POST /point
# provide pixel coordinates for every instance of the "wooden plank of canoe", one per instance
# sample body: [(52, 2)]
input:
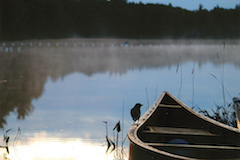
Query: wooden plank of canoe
[(193, 146), (181, 131), (170, 106)]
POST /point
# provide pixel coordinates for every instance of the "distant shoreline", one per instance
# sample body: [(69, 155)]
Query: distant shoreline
[(116, 42), (40, 19)]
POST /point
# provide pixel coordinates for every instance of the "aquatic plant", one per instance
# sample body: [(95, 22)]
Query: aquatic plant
[(226, 113), (118, 151), (223, 114)]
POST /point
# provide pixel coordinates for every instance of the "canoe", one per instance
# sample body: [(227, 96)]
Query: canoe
[(171, 130)]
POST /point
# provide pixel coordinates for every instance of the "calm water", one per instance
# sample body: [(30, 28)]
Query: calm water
[(59, 93)]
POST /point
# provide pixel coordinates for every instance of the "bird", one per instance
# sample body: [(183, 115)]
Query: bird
[(136, 112)]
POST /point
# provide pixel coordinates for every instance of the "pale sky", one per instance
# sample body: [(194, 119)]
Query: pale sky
[(193, 4)]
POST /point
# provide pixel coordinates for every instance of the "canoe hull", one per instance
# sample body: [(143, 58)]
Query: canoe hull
[(171, 130), (139, 153)]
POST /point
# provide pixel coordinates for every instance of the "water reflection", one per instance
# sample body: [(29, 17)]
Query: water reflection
[(44, 146), (60, 94)]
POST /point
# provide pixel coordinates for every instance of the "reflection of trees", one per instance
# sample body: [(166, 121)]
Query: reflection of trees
[(20, 84), (23, 75)]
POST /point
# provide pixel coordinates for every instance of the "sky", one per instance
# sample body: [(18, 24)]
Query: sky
[(193, 4)]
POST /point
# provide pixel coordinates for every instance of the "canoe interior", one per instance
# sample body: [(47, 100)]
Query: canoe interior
[(176, 129)]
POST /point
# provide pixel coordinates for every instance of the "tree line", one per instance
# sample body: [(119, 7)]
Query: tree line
[(35, 19)]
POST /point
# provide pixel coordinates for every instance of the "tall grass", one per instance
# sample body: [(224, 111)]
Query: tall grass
[(193, 76), (226, 113), (179, 66)]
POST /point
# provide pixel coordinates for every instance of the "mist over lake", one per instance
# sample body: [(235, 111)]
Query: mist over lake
[(59, 92)]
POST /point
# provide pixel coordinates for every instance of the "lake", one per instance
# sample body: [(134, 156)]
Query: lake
[(60, 98)]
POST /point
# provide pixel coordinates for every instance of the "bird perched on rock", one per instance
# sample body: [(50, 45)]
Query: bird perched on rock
[(136, 112)]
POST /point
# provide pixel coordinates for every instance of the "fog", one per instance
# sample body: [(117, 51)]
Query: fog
[(58, 90)]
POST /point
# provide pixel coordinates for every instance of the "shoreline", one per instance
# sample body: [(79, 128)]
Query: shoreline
[(125, 42)]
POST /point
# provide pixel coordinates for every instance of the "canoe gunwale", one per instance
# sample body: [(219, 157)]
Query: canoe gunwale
[(182, 131)]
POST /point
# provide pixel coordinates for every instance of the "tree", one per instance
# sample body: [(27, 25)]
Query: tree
[(119, 1), (200, 7), (237, 7)]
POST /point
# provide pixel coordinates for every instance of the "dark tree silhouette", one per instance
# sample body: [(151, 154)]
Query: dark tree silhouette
[(28, 19)]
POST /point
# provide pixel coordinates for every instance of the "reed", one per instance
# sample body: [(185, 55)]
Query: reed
[(180, 66), (147, 97), (193, 76), (16, 141), (226, 113), (116, 149), (156, 93), (122, 122), (223, 86)]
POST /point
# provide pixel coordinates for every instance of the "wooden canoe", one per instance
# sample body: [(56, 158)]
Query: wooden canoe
[(171, 130)]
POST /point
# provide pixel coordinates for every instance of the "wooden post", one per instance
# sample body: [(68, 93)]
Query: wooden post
[(237, 110)]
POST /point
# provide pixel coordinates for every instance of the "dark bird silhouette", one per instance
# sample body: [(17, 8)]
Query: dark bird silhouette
[(135, 111)]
